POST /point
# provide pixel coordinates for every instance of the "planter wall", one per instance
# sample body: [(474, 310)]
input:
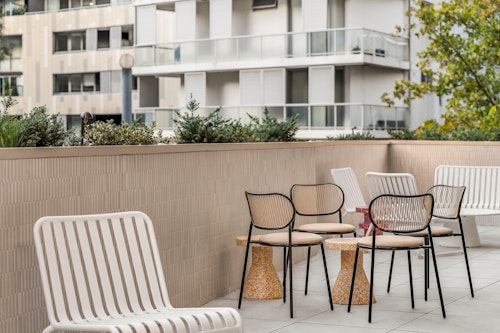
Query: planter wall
[(193, 193)]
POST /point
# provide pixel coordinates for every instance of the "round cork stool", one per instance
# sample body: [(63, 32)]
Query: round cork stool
[(342, 286), (262, 281)]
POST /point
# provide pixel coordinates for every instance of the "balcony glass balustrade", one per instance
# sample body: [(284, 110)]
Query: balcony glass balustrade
[(333, 42), (339, 116)]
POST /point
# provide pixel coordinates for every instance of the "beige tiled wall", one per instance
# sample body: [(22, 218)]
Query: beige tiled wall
[(193, 193)]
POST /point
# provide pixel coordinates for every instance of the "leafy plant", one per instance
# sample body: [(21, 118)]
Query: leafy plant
[(353, 136), (102, 133), (10, 130), (39, 129), (194, 128), (402, 134), (272, 130), (461, 61)]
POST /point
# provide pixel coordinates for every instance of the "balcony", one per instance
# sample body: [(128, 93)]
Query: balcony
[(320, 118), (338, 46)]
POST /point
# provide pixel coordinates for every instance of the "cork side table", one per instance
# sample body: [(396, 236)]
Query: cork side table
[(342, 286), (262, 281)]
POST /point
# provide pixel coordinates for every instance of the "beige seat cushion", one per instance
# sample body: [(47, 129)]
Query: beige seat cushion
[(298, 238), (437, 231), (392, 241), (333, 228)]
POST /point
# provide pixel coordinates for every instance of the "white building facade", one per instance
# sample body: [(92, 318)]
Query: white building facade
[(65, 55), (327, 61)]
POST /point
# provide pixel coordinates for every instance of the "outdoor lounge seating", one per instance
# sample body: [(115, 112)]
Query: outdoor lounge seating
[(102, 273)]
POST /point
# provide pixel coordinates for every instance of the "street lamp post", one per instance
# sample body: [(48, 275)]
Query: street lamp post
[(85, 116), (126, 63)]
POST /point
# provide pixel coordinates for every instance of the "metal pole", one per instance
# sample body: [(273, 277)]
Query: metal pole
[(127, 95)]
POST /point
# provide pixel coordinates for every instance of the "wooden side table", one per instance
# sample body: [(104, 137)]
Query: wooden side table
[(262, 281), (342, 286)]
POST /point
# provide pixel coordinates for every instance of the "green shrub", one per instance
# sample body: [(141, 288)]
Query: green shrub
[(272, 130), (102, 133), (352, 136), (403, 134), (39, 129), (194, 128), (10, 130)]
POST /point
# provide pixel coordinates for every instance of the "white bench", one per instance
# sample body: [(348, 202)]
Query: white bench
[(482, 193)]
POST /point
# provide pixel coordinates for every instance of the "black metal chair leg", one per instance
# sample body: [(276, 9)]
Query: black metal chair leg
[(390, 272), (372, 270), (437, 276), (291, 279), (426, 268), (353, 280), (244, 273), (411, 281), (327, 277), (464, 247), (285, 268), (307, 268)]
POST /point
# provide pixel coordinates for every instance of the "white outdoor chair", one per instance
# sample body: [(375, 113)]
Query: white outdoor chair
[(103, 273), (353, 196)]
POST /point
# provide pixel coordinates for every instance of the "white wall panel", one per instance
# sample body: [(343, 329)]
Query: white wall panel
[(145, 27), (195, 86), (315, 15), (273, 86), (321, 85), (251, 87), (220, 18), (186, 20)]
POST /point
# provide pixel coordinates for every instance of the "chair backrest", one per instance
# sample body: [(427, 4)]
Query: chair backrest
[(390, 183), (447, 200), (401, 213), (270, 211), (482, 184), (93, 266), (317, 199), (346, 179)]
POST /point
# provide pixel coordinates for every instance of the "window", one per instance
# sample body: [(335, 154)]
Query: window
[(69, 41), (127, 35), (75, 83), (12, 60), (260, 4), (103, 39), (107, 82), (66, 4), (9, 86)]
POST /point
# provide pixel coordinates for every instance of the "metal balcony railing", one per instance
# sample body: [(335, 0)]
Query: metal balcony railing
[(345, 41), (338, 116)]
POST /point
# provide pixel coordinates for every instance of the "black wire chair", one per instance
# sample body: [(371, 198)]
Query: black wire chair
[(276, 212), (399, 215), (317, 201)]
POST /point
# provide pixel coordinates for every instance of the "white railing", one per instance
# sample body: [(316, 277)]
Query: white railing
[(339, 116), (289, 45)]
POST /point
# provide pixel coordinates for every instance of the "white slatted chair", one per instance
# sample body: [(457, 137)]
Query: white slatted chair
[(102, 273), (354, 200), (379, 183)]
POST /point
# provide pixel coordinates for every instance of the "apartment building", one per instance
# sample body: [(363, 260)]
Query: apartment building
[(327, 61), (65, 55)]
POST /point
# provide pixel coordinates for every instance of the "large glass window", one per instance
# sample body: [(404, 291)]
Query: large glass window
[(103, 39), (9, 86), (258, 4), (12, 60), (75, 83), (69, 41), (66, 4)]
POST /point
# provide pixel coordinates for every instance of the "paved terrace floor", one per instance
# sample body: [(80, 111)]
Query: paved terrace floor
[(392, 312)]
